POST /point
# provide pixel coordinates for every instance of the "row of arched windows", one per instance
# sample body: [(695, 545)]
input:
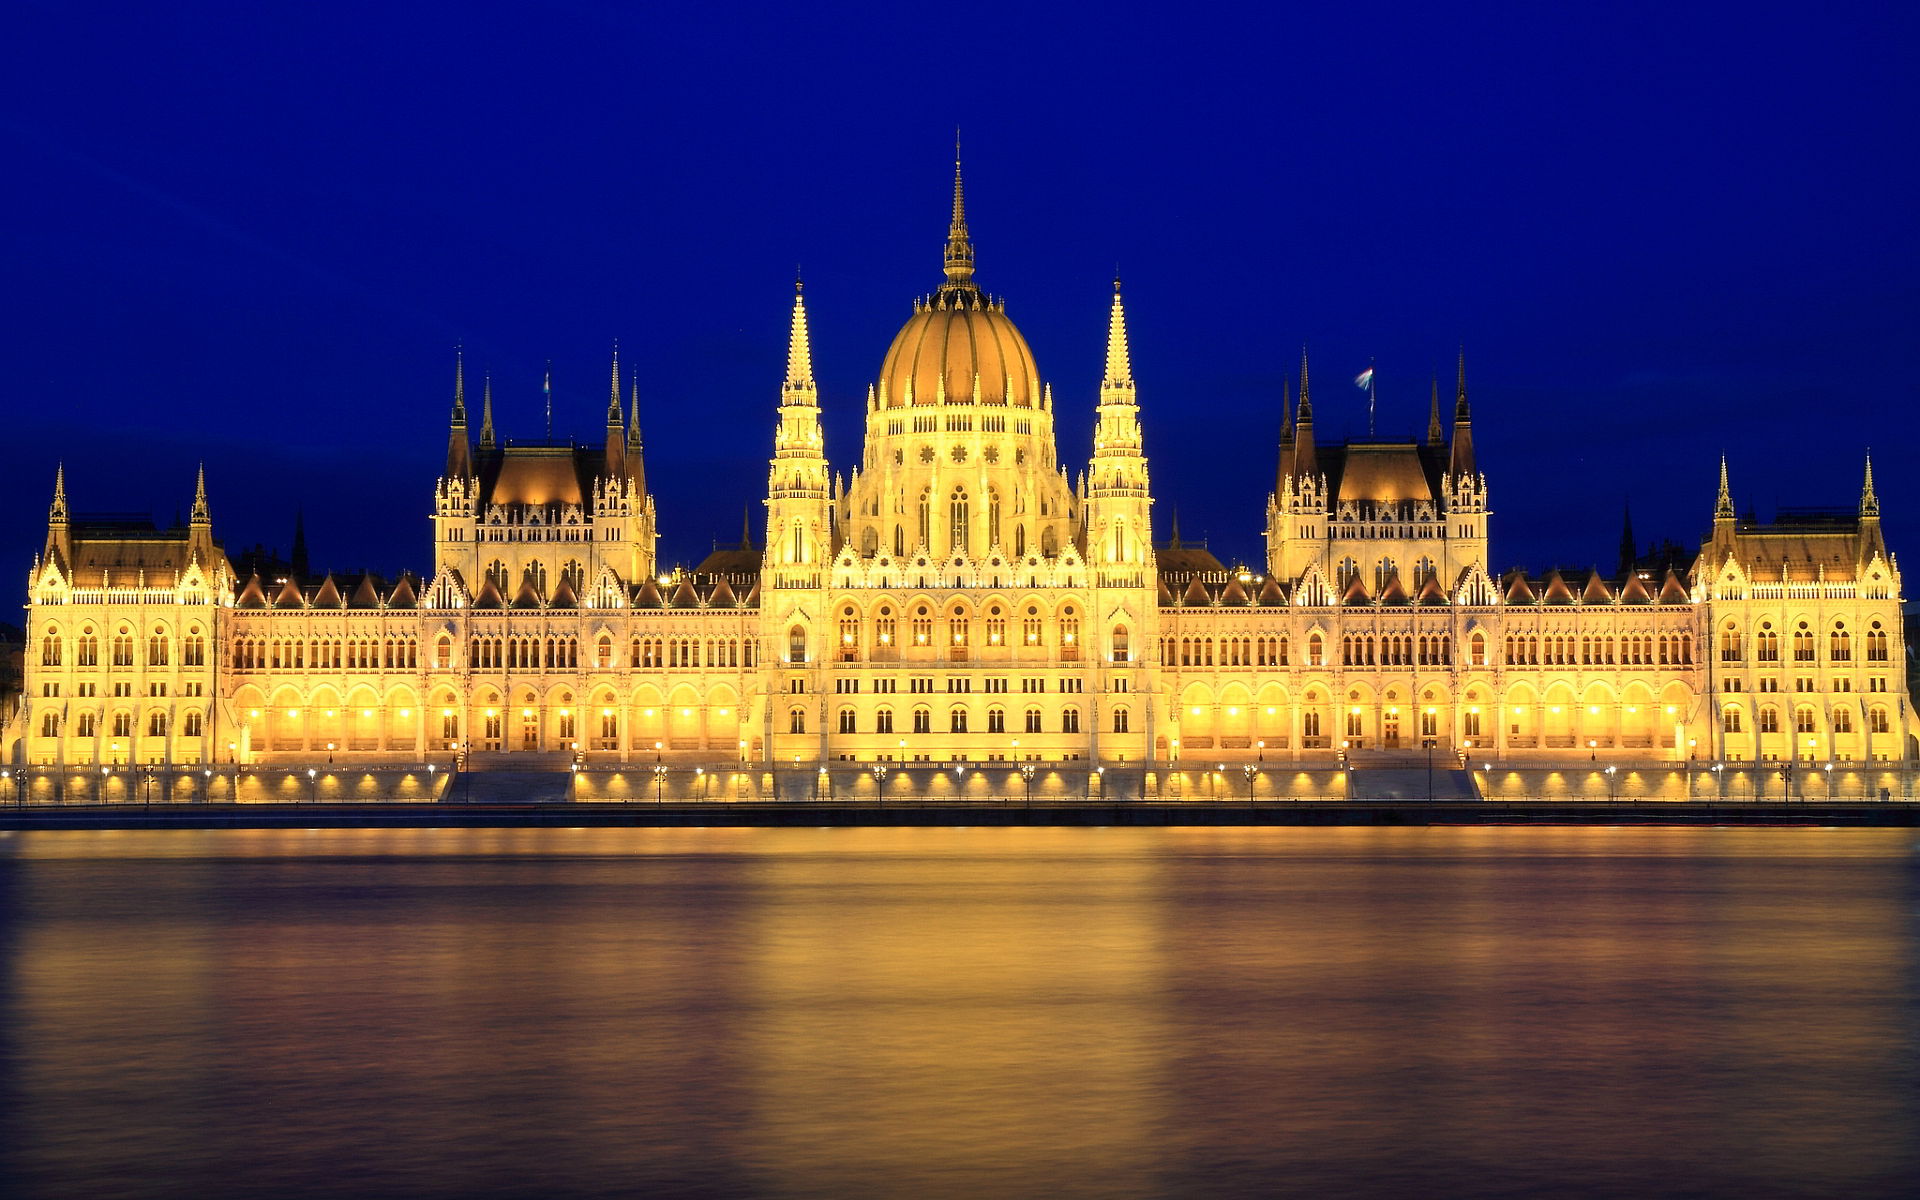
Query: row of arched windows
[(957, 720), (1806, 719), (251, 653), (1634, 650), (1805, 646), (193, 647), (88, 724)]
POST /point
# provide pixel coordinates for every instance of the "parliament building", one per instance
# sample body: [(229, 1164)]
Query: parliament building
[(963, 595)]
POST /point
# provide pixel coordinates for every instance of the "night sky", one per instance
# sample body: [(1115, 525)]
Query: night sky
[(253, 236)]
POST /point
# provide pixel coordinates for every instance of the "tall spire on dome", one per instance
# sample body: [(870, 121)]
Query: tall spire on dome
[(799, 350), (614, 415), (616, 449), (1462, 464), (1723, 504), (486, 416), (1306, 457), (459, 448), (959, 264), (1119, 369)]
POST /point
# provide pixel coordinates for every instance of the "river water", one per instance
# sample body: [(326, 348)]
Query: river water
[(961, 1012)]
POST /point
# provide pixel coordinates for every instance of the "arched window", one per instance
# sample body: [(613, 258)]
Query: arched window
[(957, 511), (1877, 720), (50, 723), (996, 720), (1843, 720), (1840, 644), (1033, 720), (191, 727), (1049, 542), (797, 721), (869, 542), (899, 541), (50, 648), (926, 517), (83, 725), (923, 720), (1121, 648), (993, 517), (957, 720), (1479, 650), (87, 652), (1120, 720), (1802, 643), (497, 574), (1803, 719), (846, 721), (797, 644), (886, 634), (1769, 720), (1876, 643), (1730, 643), (1315, 656), (1019, 541), (1345, 573), (1070, 720), (883, 721), (603, 652), (1730, 720), (157, 723), (157, 647)]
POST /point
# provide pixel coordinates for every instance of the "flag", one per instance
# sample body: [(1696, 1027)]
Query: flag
[(1364, 379)]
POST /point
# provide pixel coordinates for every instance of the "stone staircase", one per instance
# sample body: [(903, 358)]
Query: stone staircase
[(510, 787)]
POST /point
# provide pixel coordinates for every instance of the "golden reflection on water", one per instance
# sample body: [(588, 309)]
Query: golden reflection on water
[(959, 1012)]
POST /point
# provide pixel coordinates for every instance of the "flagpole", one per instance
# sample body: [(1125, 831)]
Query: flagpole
[(1370, 385)]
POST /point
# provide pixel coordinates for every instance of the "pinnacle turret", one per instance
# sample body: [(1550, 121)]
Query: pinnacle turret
[(200, 515), (616, 450), (459, 448), (1436, 433), (1119, 369), (799, 350), (486, 417), (1723, 504), (959, 262), (1869, 503)]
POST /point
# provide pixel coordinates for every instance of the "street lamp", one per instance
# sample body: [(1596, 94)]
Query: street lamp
[(659, 782), (1610, 770), (313, 786), (1249, 770), (1026, 776), (1829, 783), (880, 783)]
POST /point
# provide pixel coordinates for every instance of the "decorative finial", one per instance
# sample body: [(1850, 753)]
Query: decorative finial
[(60, 490), (486, 414), (200, 494), (1723, 505), (1869, 503), (959, 264)]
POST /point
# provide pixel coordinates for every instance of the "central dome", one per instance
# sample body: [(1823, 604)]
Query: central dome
[(959, 346), (959, 349)]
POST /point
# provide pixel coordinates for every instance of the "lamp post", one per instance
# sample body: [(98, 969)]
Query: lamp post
[(1829, 783), (1428, 743), (1250, 772), (880, 784), (313, 786), (1026, 777), (1719, 781), (573, 782), (659, 783), (1610, 770)]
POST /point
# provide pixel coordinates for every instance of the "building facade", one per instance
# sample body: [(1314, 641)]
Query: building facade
[(958, 597)]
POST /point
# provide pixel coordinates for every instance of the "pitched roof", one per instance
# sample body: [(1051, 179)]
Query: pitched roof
[(684, 596), (403, 595), (1196, 594), (526, 597), (1519, 591), (649, 595), (329, 594), (563, 596), (1235, 594), (721, 596), (1393, 593), (289, 595), (1596, 591), (489, 594), (1356, 592), (363, 595), (253, 595), (1270, 593)]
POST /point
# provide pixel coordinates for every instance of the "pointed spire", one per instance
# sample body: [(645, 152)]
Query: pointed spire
[(614, 417), (1460, 395), (459, 449), (459, 387), (616, 447), (200, 512), (799, 350), (1173, 535), (1723, 505), (1306, 457), (1436, 433), (1462, 465), (1285, 467), (1869, 503), (1306, 404), (486, 416), (959, 264), (633, 425), (59, 509), (746, 527), (1119, 370)]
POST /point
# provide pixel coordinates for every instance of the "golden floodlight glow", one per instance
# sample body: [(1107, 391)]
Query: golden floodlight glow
[(406, 712), (1593, 708), (490, 712), (254, 713), (366, 712), (526, 712), (293, 712), (1196, 712), (1669, 710), (1270, 711), (723, 712), (446, 712), (686, 712), (646, 712)]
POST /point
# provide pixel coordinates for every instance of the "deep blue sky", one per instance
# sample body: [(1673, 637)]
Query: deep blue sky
[(252, 236)]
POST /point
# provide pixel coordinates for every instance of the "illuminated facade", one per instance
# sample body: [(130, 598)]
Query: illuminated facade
[(960, 598)]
